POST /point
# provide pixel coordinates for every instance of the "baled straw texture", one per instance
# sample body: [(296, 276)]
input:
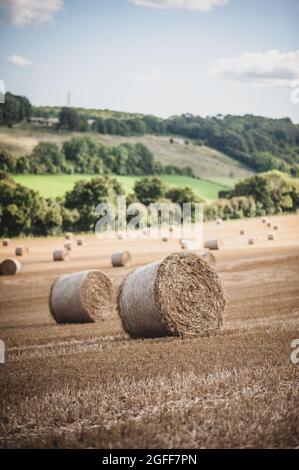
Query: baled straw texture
[(276, 227), (269, 224), (81, 297), (10, 267), (180, 296), (186, 244), (69, 235), (251, 240), (60, 255), (21, 250), (122, 258), (80, 241), (218, 221), (6, 242), (271, 236), (165, 238), (213, 244), (242, 231)]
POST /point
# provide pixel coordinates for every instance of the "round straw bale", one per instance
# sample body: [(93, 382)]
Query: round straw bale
[(271, 236), (171, 228), (80, 241), (179, 296), (68, 246), (242, 231), (10, 267), (6, 242), (81, 297), (60, 255), (68, 235), (264, 220), (165, 238), (251, 240), (121, 236), (218, 221), (213, 244), (276, 227), (122, 258), (21, 250), (269, 224)]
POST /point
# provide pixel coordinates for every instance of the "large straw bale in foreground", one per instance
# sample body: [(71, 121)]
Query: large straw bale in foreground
[(10, 267), (180, 296), (81, 297)]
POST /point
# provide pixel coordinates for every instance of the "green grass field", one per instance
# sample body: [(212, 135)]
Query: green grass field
[(58, 185)]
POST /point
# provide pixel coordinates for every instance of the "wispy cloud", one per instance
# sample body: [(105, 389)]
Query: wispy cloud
[(25, 12), (193, 5), (19, 60), (148, 76), (270, 68)]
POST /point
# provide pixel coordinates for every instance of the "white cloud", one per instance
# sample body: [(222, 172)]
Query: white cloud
[(24, 12), (195, 5), (150, 76), (270, 68), (19, 60)]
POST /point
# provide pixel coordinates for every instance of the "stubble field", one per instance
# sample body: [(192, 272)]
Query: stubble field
[(92, 386)]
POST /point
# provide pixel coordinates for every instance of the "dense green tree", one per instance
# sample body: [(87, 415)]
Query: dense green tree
[(149, 189), (47, 158), (70, 119), (182, 195), (86, 195), (7, 162)]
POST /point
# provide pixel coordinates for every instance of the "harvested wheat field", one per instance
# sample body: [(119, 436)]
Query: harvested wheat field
[(91, 385)]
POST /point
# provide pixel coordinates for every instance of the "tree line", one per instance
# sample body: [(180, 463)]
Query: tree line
[(260, 143), (85, 155), (24, 211)]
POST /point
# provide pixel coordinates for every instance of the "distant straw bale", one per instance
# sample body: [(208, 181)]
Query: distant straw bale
[(10, 267), (180, 296), (21, 250), (122, 258), (60, 255), (213, 244), (68, 246), (6, 242)]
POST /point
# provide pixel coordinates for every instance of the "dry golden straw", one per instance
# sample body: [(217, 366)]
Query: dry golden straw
[(218, 221), (271, 236), (165, 238), (179, 296), (21, 250), (213, 244), (60, 255), (122, 258), (69, 235), (80, 241), (81, 297), (6, 242), (269, 224), (276, 227), (186, 244), (10, 267), (242, 231), (251, 240)]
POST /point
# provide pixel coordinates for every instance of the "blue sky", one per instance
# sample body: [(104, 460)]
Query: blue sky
[(162, 57)]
